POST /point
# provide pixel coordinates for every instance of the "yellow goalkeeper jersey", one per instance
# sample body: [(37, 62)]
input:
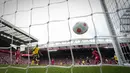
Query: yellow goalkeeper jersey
[(35, 50), (115, 57)]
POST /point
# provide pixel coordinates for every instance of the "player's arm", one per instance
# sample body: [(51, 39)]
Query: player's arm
[(39, 52), (34, 48)]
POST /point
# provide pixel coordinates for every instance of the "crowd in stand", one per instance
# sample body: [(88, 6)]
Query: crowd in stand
[(78, 60), (5, 59)]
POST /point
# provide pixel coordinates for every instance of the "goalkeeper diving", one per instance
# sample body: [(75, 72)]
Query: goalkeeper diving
[(36, 55)]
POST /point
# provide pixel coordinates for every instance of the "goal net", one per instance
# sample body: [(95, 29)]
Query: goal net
[(106, 42)]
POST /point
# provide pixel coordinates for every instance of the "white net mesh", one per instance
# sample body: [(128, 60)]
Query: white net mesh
[(52, 22), (120, 21)]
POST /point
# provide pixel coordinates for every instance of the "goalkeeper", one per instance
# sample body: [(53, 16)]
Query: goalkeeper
[(35, 55)]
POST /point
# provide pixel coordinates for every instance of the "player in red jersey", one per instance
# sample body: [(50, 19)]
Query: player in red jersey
[(18, 55), (52, 62), (96, 56)]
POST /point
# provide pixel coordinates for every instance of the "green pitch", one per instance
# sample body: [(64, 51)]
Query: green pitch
[(52, 69)]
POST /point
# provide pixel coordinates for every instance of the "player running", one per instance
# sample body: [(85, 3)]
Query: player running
[(96, 56), (18, 55), (35, 55)]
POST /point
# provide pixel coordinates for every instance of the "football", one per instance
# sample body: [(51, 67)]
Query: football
[(80, 28)]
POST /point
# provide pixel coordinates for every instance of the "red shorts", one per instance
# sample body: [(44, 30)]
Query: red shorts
[(97, 58), (52, 63), (17, 56)]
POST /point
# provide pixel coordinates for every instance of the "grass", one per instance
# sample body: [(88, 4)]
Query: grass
[(92, 69), (3, 65), (115, 69), (14, 70), (58, 70), (36, 70), (20, 65), (2, 70), (105, 69), (81, 69)]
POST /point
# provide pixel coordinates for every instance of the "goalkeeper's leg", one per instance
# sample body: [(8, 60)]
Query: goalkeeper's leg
[(37, 59), (97, 59), (32, 63), (33, 60), (37, 62)]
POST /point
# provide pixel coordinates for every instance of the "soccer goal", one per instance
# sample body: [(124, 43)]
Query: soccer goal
[(64, 36)]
